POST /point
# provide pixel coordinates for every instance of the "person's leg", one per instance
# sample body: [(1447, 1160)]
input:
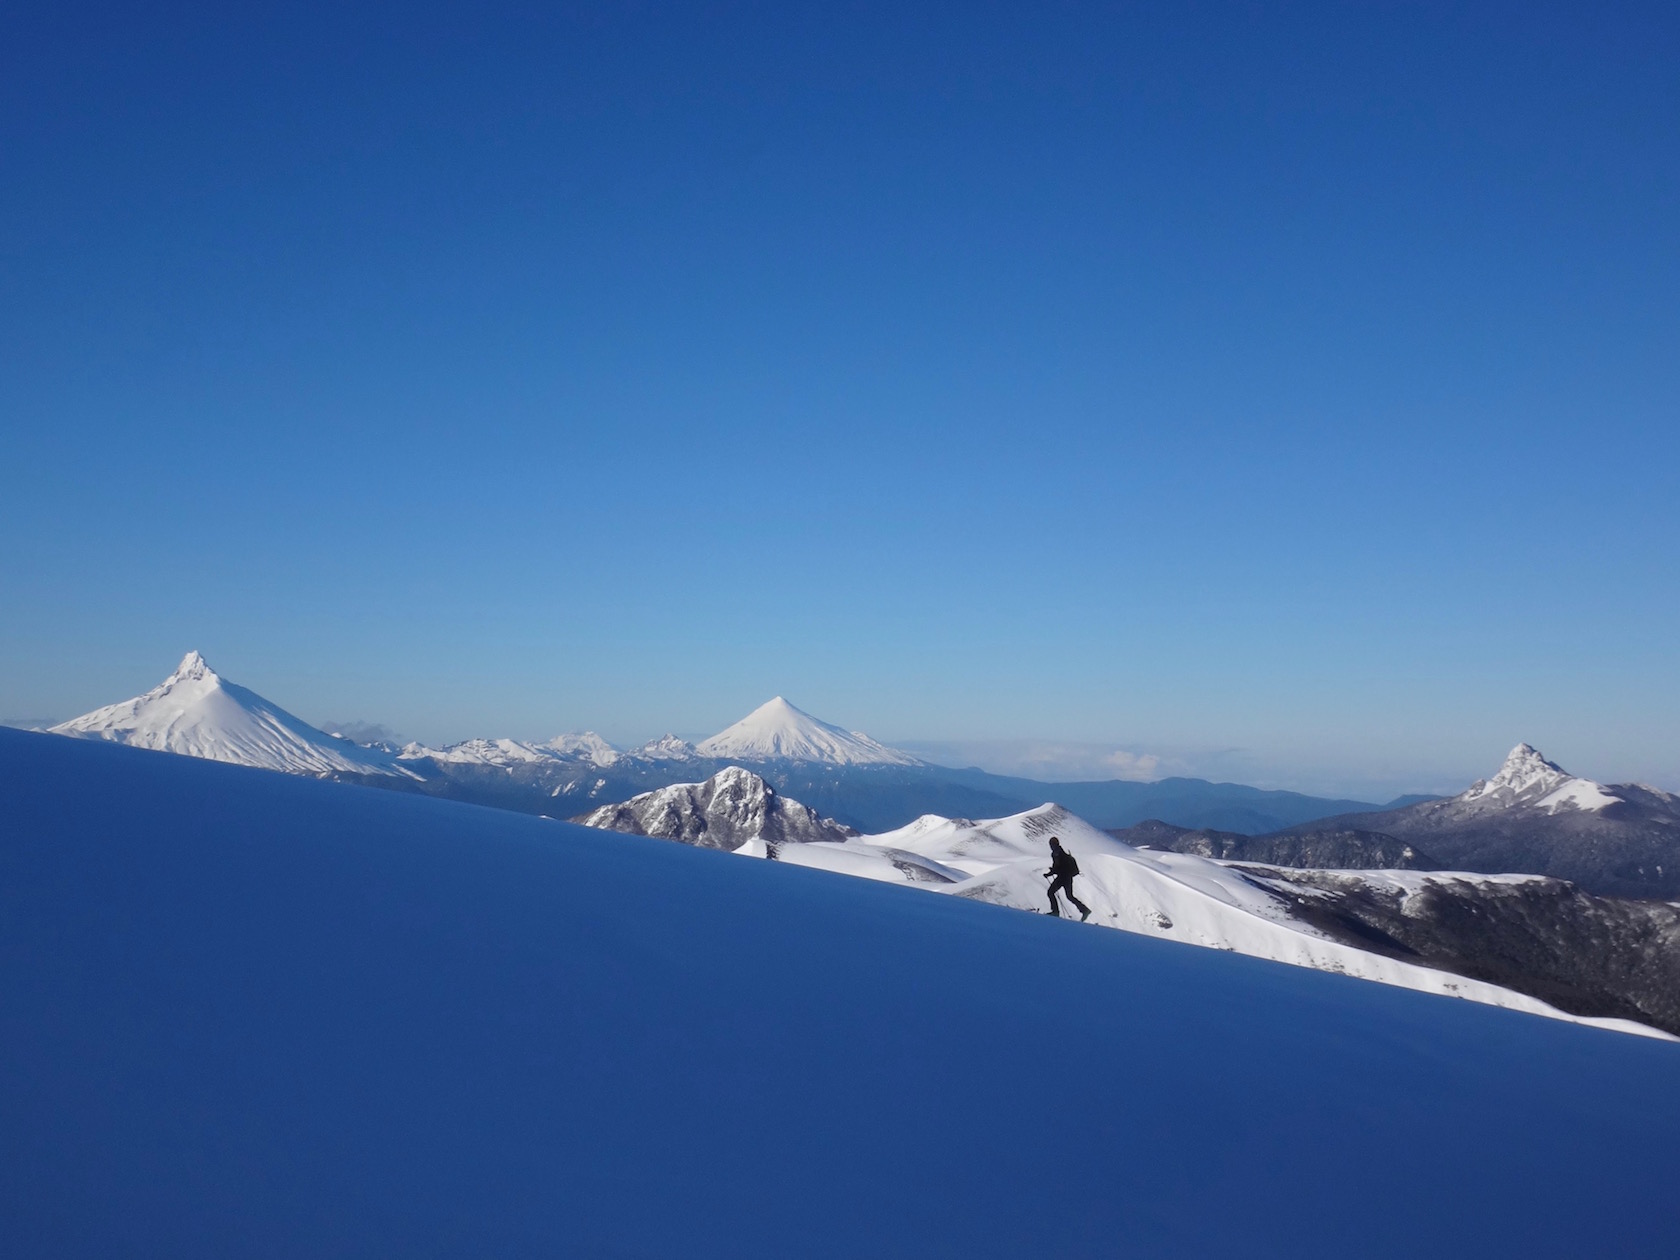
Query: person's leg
[(1084, 910), (1054, 908)]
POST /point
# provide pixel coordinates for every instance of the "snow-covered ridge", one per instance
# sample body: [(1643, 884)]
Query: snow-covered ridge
[(777, 731), (584, 746), (666, 748), (1179, 896), (487, 752), (198, 713), (1528, 779)]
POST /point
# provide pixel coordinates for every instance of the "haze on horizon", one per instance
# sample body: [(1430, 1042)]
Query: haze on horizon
[(1279, 397)]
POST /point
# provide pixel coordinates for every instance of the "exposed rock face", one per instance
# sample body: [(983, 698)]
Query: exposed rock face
[(725, 812), (1600, 956), (1337, 849)]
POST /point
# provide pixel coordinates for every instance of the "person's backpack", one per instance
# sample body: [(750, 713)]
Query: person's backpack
[(1070, 865)]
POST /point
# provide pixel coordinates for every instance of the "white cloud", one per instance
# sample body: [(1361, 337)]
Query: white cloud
[(1050, 760)]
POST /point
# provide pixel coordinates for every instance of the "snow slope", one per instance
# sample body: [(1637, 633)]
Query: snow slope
[(259, 1014), (196, 712), (776, 731), (1177, 896)]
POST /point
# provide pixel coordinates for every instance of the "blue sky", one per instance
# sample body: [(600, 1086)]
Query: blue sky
[(1288, 392)]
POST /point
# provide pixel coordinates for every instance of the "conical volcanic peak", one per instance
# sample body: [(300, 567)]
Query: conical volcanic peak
[(777, 731), (197, 713)]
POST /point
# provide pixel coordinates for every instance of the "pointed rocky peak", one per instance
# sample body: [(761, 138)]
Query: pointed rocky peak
[(193, 668), (738, 782), (1525, 773), (729, 809), (1528, 780), (1526, 761)]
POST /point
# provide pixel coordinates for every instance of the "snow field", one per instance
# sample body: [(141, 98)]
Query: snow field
[(246, 1013)]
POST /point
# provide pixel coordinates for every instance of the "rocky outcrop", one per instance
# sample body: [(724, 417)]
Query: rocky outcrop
[(725, 812)]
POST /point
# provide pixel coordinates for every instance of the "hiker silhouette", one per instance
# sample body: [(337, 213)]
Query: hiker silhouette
[(1063, 868)]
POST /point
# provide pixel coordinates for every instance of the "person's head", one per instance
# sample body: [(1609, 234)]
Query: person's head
[(1055, 843)]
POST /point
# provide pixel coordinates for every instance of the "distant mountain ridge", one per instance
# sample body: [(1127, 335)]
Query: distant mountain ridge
[(1532, 815), (842, 774)]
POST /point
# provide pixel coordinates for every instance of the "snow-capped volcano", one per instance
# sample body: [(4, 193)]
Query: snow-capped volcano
[(198, 713), (776, 731), (1528, 779)]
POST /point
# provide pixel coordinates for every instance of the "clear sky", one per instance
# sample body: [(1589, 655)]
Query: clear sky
[(1290, 392)]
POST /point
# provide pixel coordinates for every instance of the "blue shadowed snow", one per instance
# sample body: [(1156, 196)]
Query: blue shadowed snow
[(248, 1014)]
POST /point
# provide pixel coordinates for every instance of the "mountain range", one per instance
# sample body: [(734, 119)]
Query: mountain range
[(1521, 941), (1531, 816), (842, 774), (801, 789), (1619, 839)]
